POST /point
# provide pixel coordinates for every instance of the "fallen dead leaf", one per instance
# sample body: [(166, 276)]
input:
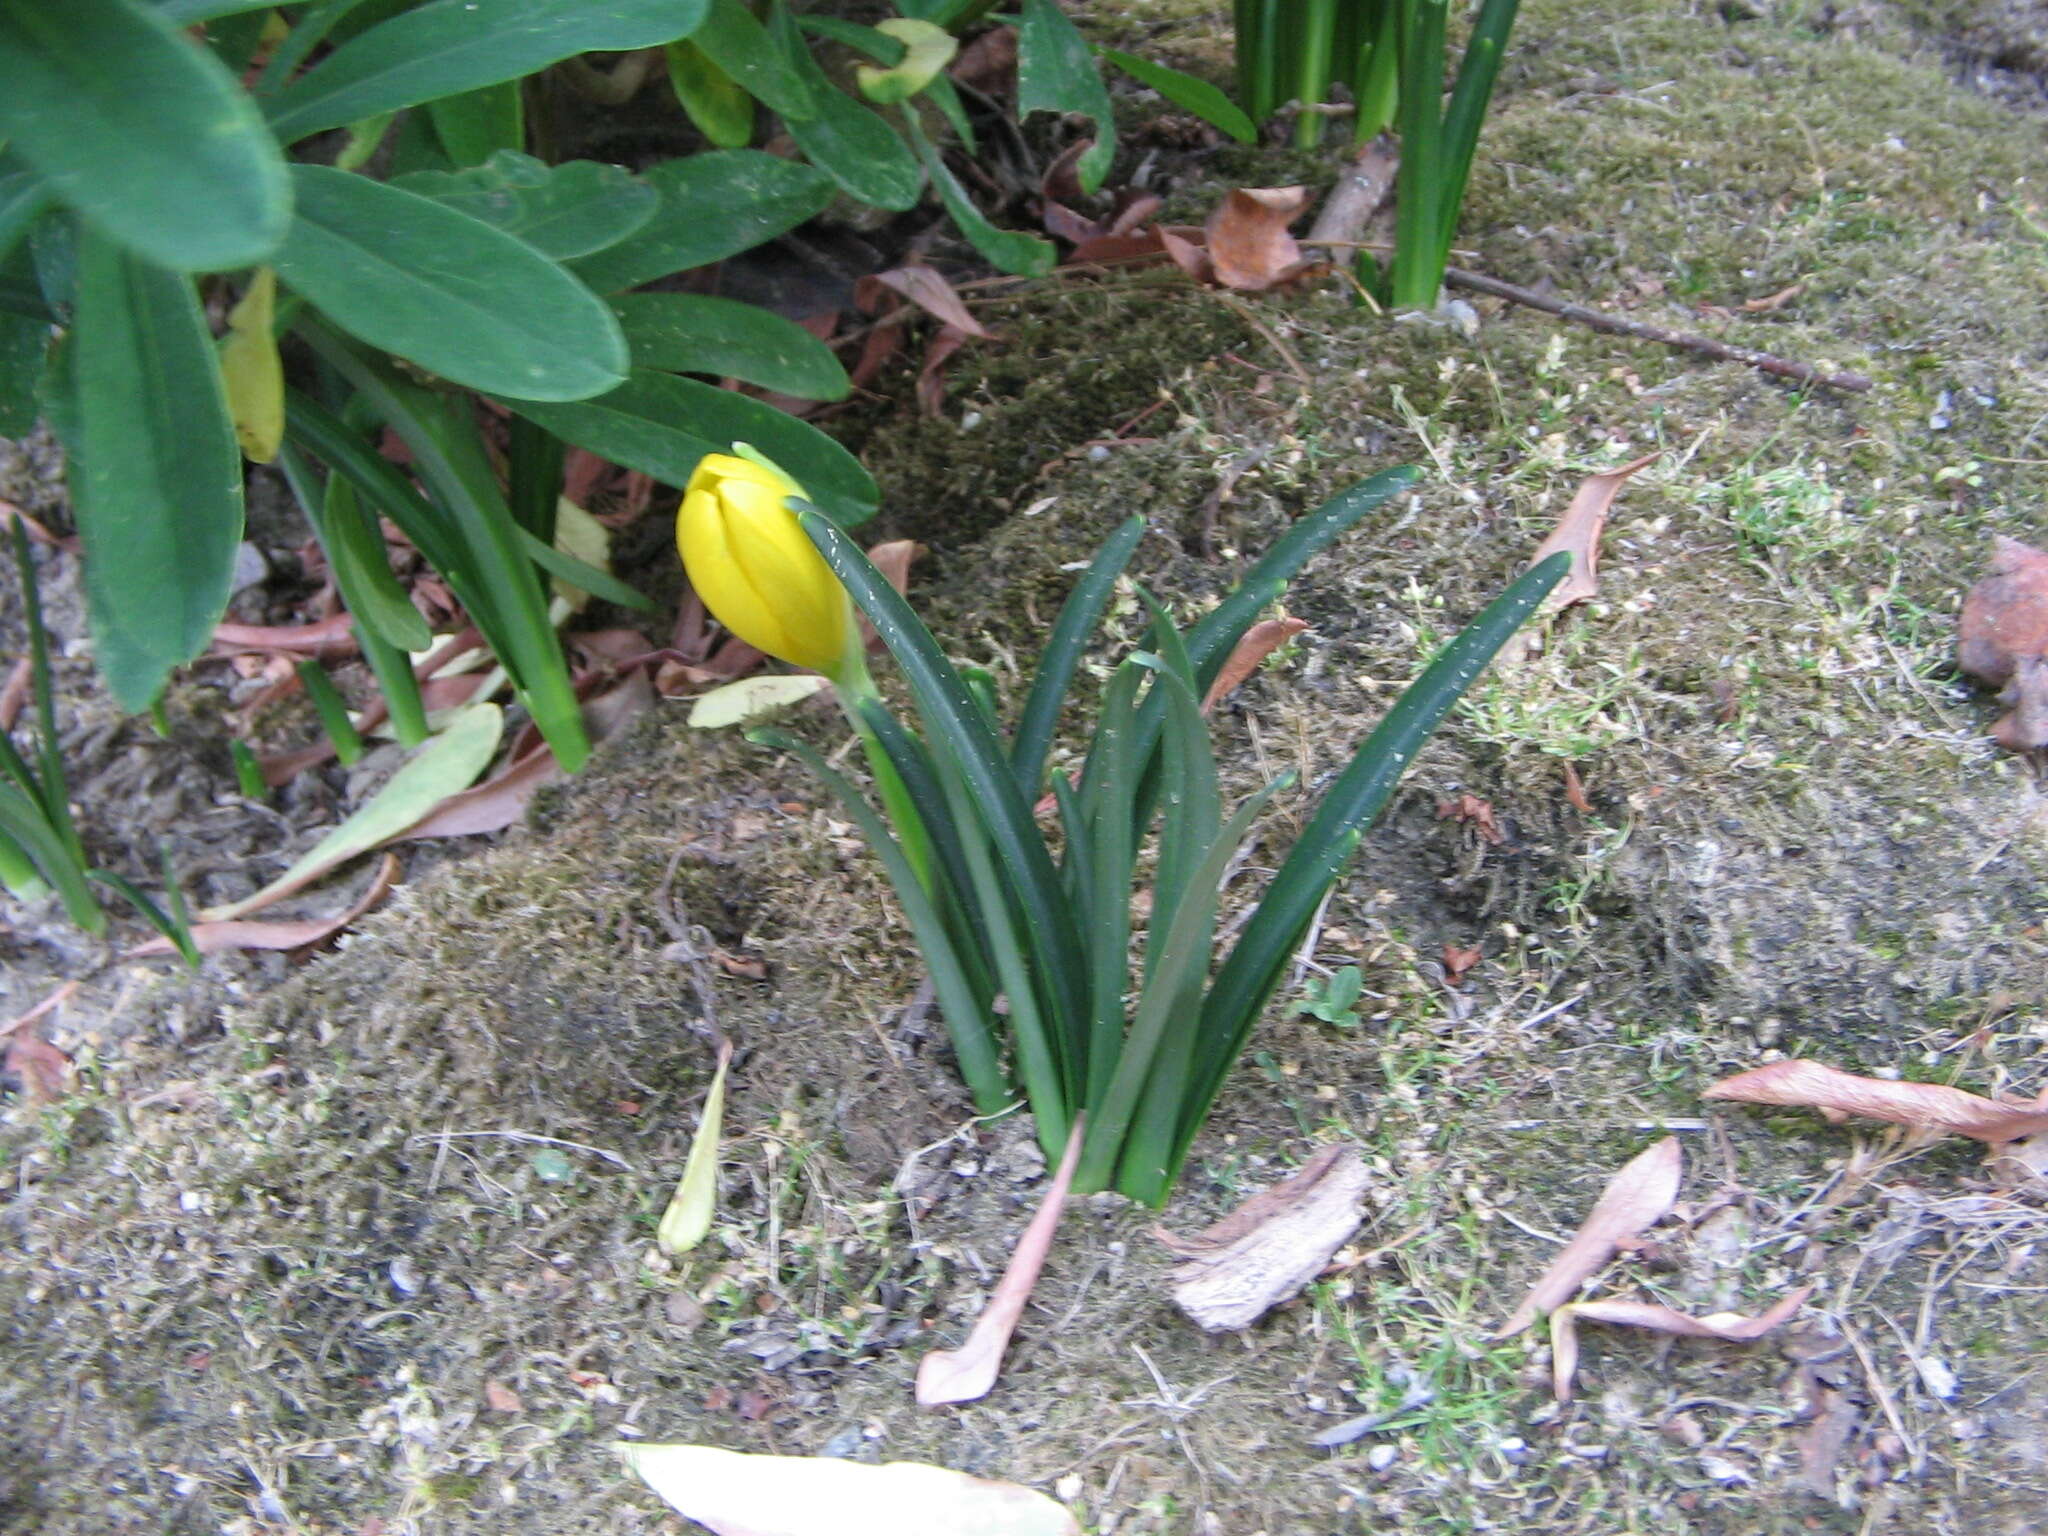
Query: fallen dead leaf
[(964, 1374), (929, 291), (1927, 1107), (44, 1071), (931, 374), (1575, 792), (14, 693), (1245, 658), (1730, 1326), (1249, 245), (1458, 961), (1578, 531), (1475, 812), (1635, 1199), (328, 637), (1266, 1250), (736, 1494), (2002, 639), (212, 938), (500, 1398)]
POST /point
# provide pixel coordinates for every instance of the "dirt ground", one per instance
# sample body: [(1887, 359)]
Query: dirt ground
[(366, 1245)]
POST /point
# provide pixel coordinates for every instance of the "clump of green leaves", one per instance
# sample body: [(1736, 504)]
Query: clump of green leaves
[(1132, 1038), (1333, 998)]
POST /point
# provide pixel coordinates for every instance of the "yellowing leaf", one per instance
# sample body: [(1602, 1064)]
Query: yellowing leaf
[(446, 764), (250, 369), (740, 1495), (688, 1218), (582, 537), (752, 697), (928, 49)]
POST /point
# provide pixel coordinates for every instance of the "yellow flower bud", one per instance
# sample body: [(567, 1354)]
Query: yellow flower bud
[(757, 570)]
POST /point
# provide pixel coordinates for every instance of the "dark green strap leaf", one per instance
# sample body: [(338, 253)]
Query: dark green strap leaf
[(1205, 100), (142, 131), (696, 333), (1079, 615), (844, 139), (1011, 250), (478, 124), (562, 211), (451, 46), (23, 343), (155, 470), (446, 291), (24, 194), (1056, 72), (712, 206), (662, 425), (713, 100)]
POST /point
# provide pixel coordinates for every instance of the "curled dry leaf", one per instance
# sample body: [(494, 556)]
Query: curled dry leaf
[(2002, 639), (1635, 1199), (327, 637), (736, 1494), (1249, 244), (1924, 1106), (1272, 1245), (1259, 642), (929, 291), (1579, 532), (212, 938), (964, 1374), (1730, 1326)]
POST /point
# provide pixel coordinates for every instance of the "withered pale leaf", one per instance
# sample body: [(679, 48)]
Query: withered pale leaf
[(1272, 1245), (1579, 532), (1259, 642), (1732, 1327), (212, 938), (930, 292), (1249, 245), (1635, 1199), (1925, 1106), (2002, 638), (964, 1374), (736, 1494)]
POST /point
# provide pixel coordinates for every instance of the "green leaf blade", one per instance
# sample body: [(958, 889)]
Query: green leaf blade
[(1189, 93), (698, 333), (447, 291), (143, 132), (712, 206), (842, 138), (1056, 72), (562, 211)]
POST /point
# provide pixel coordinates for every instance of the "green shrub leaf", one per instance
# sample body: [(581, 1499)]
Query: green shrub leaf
[(477, 124), (155, 470), (715, 102), (1205, 100), (561, 211), (695, 333), (844, 139), (446, 291), (142, 131), (450, 46), (1057, 73), (741, 47), (662, 425), (712, 206)]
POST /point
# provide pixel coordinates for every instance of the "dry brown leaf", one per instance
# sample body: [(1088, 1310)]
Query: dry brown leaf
[(929, 291), (1272, 1245), (45, 1071), (15, 693), (736, 1494), (1474, 812), (1458, 961), (1249, 245), (1924, 1106), (1189, 255), (328, 637), (1732, 1327), (1579, 532), (500, 1398), (1635, 1199), (1259, 642), (931, 377), (964, 1374), (212, 938), (2002, 639), (989, 63)]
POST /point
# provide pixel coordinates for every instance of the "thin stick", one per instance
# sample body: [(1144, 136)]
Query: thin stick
[(1614, 325)]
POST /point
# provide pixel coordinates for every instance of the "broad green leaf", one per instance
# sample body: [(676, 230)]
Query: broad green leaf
[(926, 50), (687, 1221), (1009, 249), (752, 697), (561, 211), (24, 194), (252, 372), (712, 206), (845, 140), (662, 425), (450, 46), (714, 101), (740, 46), (445, 766), (155, 473), (1057, 73), (446, 291), (23, 341), (185, 12), (696, 333), (415, 148), (1205, 100), (478, 124), (142, 131)]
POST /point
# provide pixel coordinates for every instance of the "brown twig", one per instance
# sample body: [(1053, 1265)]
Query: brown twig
[(1614, 325)]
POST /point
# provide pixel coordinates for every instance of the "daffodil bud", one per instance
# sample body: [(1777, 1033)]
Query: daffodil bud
[(757, 570)]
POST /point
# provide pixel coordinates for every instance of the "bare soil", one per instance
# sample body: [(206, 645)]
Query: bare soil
[(366, 1245)]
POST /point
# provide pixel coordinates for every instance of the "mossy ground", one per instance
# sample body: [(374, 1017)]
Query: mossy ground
[(274, 1249)]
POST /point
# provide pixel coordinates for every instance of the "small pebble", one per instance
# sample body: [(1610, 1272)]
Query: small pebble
[(1381, 1457), (405, 1276)]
